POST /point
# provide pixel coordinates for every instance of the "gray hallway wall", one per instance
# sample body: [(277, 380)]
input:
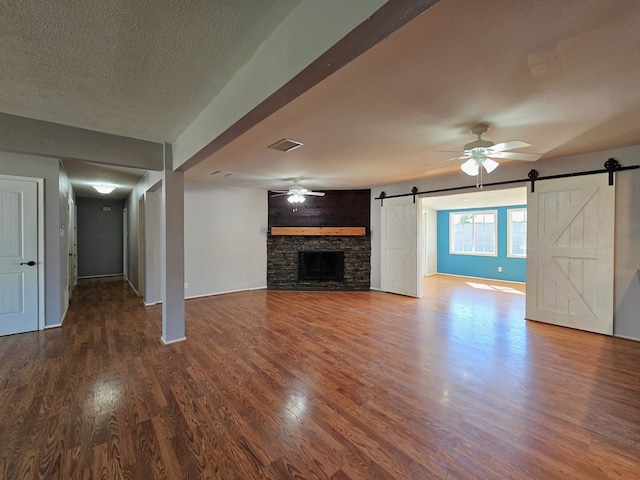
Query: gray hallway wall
[(99, 237)]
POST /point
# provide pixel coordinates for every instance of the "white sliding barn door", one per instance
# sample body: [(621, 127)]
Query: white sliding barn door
[(400, 219), (570, 253)]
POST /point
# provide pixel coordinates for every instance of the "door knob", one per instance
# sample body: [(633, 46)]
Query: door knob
[(31, 263)]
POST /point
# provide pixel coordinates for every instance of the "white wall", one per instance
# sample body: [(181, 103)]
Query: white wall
[(55, 201), (65, 191), (225, 238), (307, 32), (627, 242), (153, 248), (132, 205), (430, 219)]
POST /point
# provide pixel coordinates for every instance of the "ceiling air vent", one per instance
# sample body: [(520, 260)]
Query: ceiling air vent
[(286, 145), (220, 173)]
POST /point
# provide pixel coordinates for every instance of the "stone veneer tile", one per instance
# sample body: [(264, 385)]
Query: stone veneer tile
[(282, 262)]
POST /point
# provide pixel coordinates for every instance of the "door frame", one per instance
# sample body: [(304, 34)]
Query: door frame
[(40, 239), (125, 243)]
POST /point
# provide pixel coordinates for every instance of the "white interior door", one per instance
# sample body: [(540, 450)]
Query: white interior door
[(18, 247), (570, 253), (399, 241)]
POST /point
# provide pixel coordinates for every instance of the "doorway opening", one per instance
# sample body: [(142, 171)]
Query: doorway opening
[(477, 235)]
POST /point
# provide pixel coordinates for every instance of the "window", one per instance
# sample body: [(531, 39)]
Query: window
[(517, 232), (473, 233)]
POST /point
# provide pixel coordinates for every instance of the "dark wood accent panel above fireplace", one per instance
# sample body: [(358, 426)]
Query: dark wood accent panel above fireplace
[(337, 222), (338, 208)]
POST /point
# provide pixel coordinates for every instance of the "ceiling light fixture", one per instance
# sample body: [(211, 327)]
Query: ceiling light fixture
[(295, 198), (478, 161), (104, 189)]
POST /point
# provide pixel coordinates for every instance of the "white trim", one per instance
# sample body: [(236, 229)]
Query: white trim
[(474, 212), (57, 325), (134, 288), (159, 302), (224, 293), (102, 276), (172, 341), (627, 337), (41, 256), (64, 315), (509, 212), (376, 289), (481, 278)]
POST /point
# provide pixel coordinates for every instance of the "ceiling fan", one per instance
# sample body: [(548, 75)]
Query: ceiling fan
[(296, 193), (482, 153)]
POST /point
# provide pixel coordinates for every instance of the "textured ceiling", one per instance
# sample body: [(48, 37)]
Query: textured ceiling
[(141, 69), (562, 76)]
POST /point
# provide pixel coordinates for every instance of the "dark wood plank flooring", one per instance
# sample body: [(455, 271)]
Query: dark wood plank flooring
[(324, 385)]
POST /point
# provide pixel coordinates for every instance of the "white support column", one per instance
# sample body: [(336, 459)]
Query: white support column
[(173, 309)]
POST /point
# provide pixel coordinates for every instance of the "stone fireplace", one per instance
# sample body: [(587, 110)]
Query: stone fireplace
[(331, 233), (283, 267)]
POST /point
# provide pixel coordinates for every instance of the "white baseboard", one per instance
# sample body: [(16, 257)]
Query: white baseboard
[(64, 315), (627, 337), (53, 326), (134, 288), (479, 278), (103, 276), (225, 292), (172, 341)]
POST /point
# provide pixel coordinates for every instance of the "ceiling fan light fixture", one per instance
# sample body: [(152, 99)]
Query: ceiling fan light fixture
[(295, 198), (489, 165), (470, 167)]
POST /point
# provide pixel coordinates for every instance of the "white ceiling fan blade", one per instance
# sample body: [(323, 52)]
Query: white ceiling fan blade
[(529, 157), (315, 194), (280, 194), (461, 157), (511, 145)]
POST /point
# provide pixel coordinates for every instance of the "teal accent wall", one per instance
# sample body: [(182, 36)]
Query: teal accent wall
[(513, 269)]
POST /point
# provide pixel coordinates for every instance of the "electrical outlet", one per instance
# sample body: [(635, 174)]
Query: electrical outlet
[(186, 286), (499, 269)]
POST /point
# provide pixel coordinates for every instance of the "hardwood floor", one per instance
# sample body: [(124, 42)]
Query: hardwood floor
[(304, 385)]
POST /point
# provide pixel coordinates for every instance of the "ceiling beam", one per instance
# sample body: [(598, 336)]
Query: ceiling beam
[(313, 42), (36, 137)]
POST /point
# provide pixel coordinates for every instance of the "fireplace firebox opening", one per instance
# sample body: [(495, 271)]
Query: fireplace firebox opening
[(327, 265)]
